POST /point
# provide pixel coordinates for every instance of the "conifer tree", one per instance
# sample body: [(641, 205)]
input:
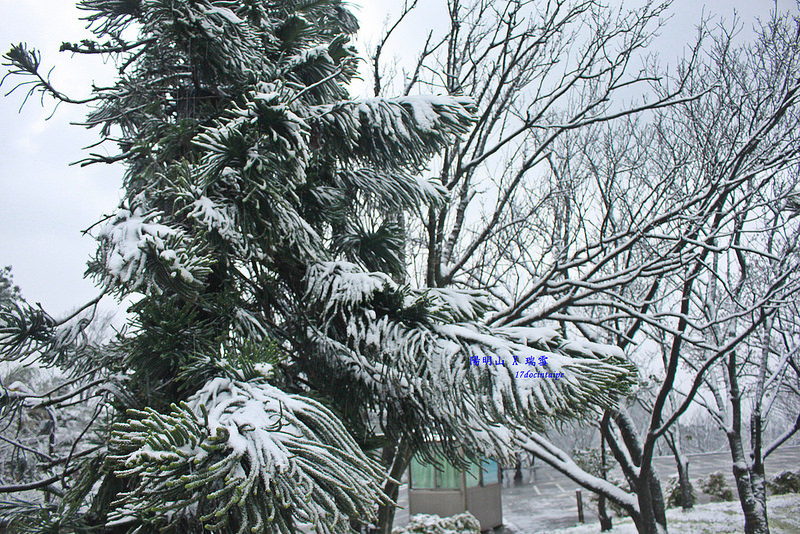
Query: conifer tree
[(269, 351), (8, 291)]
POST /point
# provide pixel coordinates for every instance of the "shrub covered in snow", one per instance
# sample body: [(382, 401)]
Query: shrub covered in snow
[(716, 485), (433, 524), (785, 482)]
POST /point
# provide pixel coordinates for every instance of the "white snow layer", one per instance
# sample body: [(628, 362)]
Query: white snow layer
[(129, 236)]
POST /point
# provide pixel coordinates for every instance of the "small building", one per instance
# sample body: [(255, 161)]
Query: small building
[(444, 490)]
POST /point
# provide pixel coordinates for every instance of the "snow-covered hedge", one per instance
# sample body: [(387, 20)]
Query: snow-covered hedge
[(785, 482), (716, 485), (433, 524)]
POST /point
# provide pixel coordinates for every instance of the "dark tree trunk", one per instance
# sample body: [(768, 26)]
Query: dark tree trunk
[(651, 502), (606, 523), (396, 460), (683, 482), (652, 517)]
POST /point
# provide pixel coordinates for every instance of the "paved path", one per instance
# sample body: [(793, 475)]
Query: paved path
[(546, 498)]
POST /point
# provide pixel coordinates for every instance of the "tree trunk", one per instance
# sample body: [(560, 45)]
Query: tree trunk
[(755, 513), (651, 503), (652, 517), (396, 460), (683, 483), (759, 522), (673, 440), (606, 523), (749, 483)]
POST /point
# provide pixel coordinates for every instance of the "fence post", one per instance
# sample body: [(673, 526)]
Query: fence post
[(580, 505)]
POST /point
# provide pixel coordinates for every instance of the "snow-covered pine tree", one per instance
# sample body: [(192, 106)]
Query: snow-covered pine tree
[(269, 350)]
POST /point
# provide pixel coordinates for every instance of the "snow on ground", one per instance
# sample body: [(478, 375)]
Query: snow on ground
[(711, 518)]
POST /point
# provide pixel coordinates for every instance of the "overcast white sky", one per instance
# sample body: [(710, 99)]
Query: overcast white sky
[(45, 203)]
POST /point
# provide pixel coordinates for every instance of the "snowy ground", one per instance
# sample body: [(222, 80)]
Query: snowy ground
[(712, 518)]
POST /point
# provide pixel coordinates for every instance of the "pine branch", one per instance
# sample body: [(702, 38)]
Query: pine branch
[(14, 488), (91, 47), (24, 62)]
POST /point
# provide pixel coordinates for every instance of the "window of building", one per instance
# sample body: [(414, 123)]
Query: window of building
[(445, 476)]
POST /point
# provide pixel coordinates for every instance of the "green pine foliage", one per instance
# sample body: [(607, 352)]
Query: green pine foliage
[(269, 348), (256, 459)]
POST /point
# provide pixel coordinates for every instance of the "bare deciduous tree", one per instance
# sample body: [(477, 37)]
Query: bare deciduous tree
[(536, 72), (617, 229)]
